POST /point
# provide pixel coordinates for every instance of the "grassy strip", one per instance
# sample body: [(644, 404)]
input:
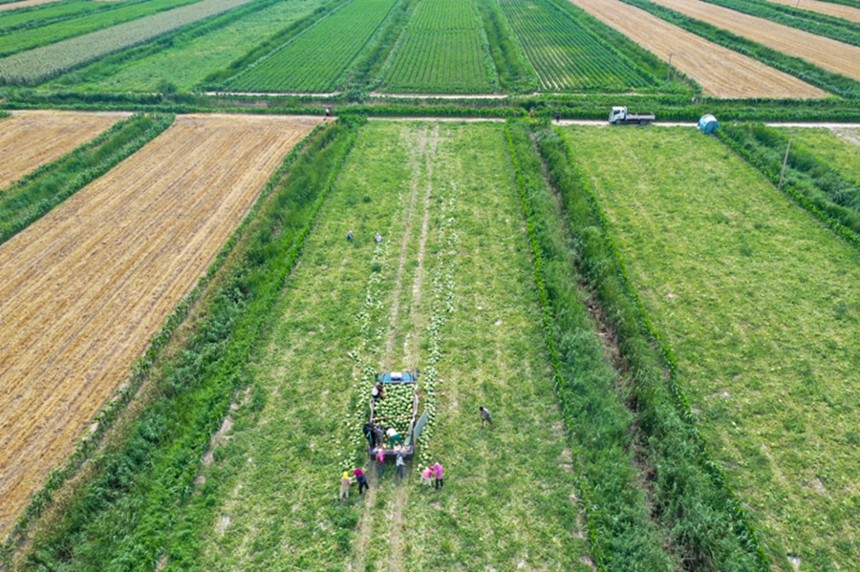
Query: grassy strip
[(110, 65), (486, 52), (216, 79), (700, 513), (810, 73), (514, 71), (806, 20), (119, 518), (817, 187), (620, 532), (30, 198)]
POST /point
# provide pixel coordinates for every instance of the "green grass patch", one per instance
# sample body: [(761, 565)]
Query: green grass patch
[(838, 148), (755, 299), (37, 193), (515, 72)]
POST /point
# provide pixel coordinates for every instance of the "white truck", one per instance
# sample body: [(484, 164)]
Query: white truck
[(620, 116)]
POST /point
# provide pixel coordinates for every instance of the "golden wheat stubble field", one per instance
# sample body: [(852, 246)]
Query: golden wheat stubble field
[(720, 71), (836, 57), (83, 289), (829, 8), (30, 139)]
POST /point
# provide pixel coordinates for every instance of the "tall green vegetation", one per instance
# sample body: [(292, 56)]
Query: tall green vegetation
[(515, 73), (36, 194), (693, 512), (118, 518), (818, 187), (810, 73)]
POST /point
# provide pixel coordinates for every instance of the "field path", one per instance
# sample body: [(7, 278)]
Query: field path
[(831, 9), (831, 55), (720, 71), (83, 289), (30, 139)]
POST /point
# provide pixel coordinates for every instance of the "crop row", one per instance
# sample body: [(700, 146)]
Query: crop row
[(442, 51), (41, 64), (439, 61), (29, 38), (566, 54), (317, 59), (44, 14)]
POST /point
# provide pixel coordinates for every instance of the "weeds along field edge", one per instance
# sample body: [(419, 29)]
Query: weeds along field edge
[(150, 459), (817, 187), (698, 516), (37, 193)]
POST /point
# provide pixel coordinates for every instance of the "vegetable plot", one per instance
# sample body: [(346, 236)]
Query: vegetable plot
[(566, 54), (443, 52), (316, 60)]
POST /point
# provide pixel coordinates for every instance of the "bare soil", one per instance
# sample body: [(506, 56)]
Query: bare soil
[(84, 288), (720, 71)]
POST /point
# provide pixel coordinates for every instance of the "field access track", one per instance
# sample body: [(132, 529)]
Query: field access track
[(720, 71), (84, 289), (31, 139), (829, 54)]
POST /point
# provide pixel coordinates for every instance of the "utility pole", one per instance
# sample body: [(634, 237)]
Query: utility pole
[(784, 162), (669, 70)]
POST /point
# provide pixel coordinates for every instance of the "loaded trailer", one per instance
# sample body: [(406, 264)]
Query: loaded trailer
[(398, 409)]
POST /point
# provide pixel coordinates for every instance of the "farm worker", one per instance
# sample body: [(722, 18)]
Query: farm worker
[(349, 235), (380, 464), (370, 433), (378, 237), (440, 475), (344, 486), (485, 416), (400, 464), (362, 480), (558, 116), (393, 436), (425, 476), (377, 392), (328, 111), (532, 112)]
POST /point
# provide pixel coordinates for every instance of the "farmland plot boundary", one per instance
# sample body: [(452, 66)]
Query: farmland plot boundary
[(374, 51), (669, 441), (111, 64), (220, 322), (807, 20), (810, 73), (80, 10), (514, 70), (40, 191), (816, 187)]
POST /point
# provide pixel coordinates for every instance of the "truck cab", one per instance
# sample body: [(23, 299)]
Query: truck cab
[(618, 114)]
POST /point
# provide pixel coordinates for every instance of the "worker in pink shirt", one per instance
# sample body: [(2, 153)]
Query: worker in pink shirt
[(437, 468), (425, 476)]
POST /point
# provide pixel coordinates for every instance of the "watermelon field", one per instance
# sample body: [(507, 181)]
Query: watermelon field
[(265, 265)]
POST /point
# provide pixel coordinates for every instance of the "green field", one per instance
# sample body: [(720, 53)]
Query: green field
[(442, 52), (316, 60), (568, 55), (508, 496), (186, 62), (758, 302), (839, 149), (27, 39)]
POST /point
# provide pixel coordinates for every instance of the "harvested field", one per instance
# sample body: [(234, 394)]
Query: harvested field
[(829, 54), (85, 287), (24, 4), (829, 8), (721, 72), (31, 139)]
